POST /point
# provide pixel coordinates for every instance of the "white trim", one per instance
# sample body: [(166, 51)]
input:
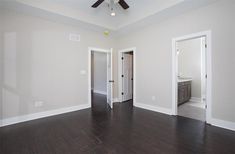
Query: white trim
[(120, 73), (110, 84), (154, 108), (206, 34), (28, 117), (100, 92), (90, 49), (195, 99), (116, 100), (203, 70), (223, 124)]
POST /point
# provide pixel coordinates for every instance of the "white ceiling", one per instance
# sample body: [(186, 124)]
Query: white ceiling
[(80, 11), (138, 10)]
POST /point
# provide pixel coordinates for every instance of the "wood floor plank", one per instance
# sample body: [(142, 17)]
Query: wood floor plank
[(123, 130)]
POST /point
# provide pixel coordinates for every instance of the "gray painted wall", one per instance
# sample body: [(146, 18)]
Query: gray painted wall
[(1, 61), (48, 65), (42, 64), (154, 56)]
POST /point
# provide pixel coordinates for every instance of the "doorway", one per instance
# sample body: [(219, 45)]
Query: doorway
[(100, 78), (192, 76), (127, 75)]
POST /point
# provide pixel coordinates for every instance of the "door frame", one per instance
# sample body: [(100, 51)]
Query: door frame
[(90, 49), (208, 67), (120, 52)]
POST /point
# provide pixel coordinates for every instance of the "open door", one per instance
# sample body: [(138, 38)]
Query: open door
[(110, 80), (203, 71)]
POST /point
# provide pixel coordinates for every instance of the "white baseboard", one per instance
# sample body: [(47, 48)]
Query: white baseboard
[(100, 92), (28, 117), (195, 99), (154, 108), (116, 100), (215, 122), (223, 124)]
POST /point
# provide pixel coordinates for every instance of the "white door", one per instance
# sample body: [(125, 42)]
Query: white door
[(110, 79), (127, 78)]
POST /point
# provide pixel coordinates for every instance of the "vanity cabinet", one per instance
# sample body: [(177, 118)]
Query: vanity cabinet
[(184, 92)]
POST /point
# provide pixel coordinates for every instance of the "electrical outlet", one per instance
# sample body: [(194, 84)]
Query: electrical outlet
[(38, 103), (153, 98)]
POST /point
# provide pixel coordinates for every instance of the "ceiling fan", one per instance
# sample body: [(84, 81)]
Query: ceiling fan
[(111, 4)]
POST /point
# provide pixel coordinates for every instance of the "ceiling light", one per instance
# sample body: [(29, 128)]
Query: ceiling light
[(113, 14), (112, 11)]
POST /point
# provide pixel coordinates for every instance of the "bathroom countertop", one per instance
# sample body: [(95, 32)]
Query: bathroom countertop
[(184, 79)]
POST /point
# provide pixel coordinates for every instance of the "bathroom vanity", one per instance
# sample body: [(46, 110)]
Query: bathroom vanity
[(184, 90)]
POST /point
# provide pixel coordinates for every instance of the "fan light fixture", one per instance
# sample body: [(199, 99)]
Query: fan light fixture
[(111, 5), (112, 12)]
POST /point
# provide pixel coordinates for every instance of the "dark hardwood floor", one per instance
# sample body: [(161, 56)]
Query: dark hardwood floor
[(123, 130)]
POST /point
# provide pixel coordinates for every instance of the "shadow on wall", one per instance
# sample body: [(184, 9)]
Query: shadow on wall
[(10, 98), (10, 86)]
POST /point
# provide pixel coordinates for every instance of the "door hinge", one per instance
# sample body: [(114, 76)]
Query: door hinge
[(122, 75), (122, 93), (206, 106), (206, 76), (205, 45), (122, 58)]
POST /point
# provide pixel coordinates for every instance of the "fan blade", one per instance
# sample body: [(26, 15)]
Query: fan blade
[(96, 4), (123, 4)]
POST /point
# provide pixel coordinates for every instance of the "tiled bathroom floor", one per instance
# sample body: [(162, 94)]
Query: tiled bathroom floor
[(192, 110)]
